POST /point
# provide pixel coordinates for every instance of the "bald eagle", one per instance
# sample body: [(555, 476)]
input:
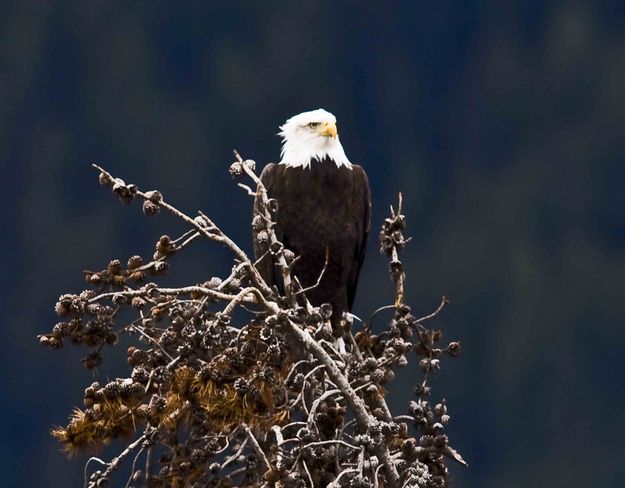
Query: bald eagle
[(324, 206)]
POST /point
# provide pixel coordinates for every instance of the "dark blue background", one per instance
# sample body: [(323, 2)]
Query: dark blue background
[(502, 122)]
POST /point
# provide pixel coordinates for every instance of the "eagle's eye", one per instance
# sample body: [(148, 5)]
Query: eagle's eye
[(312, 125)]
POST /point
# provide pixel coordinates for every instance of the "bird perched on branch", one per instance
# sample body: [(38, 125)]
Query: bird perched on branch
[(323, 215)]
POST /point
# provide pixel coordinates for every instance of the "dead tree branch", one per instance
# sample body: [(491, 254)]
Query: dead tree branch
[(258, 398)]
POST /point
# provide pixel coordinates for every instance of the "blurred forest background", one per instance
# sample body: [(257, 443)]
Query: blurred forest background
[(501, 121)]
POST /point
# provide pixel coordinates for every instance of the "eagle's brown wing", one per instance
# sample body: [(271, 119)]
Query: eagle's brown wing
[(363, 223)]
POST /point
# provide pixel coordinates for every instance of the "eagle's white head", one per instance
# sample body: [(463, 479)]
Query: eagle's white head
[(311, 135)]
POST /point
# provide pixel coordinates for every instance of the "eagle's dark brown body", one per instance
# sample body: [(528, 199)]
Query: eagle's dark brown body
[(320, 208)]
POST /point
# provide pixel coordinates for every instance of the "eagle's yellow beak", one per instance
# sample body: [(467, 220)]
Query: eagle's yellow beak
[(328, 129)]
